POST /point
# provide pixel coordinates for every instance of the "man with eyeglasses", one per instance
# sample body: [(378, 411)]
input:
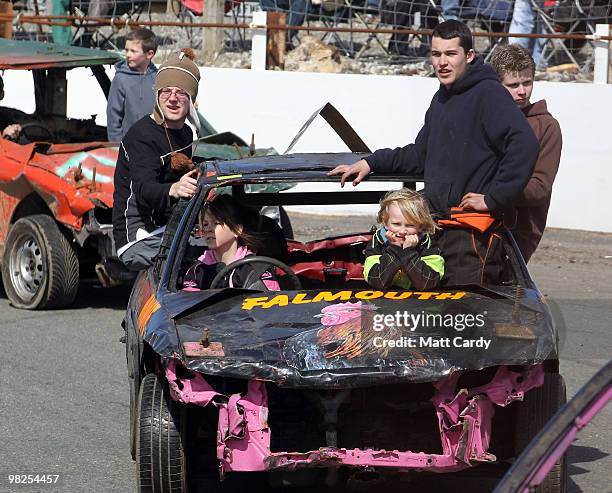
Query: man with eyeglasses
[(154, 166)]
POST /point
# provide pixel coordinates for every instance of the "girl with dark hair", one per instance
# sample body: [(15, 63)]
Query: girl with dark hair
[(230, 232)]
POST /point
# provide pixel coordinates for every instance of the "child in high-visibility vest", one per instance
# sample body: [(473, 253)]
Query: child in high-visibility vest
[(402, 252)]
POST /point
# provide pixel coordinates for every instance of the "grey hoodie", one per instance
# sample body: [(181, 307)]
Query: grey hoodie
[(130, 98)]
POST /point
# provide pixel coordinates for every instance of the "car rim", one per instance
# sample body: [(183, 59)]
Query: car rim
[(27, 267)]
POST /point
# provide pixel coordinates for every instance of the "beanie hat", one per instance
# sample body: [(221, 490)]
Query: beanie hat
[(178, 71)]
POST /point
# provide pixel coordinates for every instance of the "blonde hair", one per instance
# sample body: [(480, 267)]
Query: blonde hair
[(413, 207), (511, 59)]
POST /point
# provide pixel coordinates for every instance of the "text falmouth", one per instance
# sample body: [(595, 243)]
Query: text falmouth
[(302, 298)]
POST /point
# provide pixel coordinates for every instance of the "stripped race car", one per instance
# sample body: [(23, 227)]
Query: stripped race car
[(328, 379), (56, 181)]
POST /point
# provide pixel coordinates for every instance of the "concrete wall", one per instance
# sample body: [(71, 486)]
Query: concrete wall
[(386, 111)]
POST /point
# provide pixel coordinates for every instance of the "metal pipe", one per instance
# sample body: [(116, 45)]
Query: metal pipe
[(52, 20)]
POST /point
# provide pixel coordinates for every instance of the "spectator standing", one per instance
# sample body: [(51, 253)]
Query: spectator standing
[(131, 93), (475, 150), (297, 11), (516, 70), (153, 158), (525, 21)]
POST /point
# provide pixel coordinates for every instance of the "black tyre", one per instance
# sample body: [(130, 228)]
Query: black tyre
[(40, 268), (133, 364), (532, 414), (160, 452)]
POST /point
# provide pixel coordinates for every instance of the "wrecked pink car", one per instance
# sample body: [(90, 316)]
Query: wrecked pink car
[(328, 381)]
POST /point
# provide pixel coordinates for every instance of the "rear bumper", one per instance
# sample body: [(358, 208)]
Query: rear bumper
[(464, 419)]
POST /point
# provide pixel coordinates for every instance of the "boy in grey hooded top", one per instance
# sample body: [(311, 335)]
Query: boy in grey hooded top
[(131, 93)]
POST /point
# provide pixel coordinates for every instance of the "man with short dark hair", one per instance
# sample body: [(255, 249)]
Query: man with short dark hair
[(475, 150), (516, 70)]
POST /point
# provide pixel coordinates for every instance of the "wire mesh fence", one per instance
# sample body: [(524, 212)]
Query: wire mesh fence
[(358, 29)]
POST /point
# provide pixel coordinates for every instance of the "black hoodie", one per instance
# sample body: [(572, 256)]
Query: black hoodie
[(475, 139)]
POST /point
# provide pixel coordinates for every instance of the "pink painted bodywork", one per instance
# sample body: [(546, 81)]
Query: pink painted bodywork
[(464, 418), (189, 391), (580, 422)]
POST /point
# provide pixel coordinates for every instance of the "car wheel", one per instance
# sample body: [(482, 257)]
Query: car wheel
[(160, 452), (40, 268), (539, 406), (133, 421)]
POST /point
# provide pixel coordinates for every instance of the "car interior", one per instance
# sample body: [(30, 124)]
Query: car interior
[(55, 129), (333, 262)]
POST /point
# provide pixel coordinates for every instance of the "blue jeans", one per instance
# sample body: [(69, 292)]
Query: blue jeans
[(450, 9), (525, 21), (297, 10)]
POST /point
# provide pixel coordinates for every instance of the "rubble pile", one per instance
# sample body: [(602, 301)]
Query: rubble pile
[(313, 55)]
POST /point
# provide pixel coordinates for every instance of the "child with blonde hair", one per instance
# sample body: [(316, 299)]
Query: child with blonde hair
[(403, 252)]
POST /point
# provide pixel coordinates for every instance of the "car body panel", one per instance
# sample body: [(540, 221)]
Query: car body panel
[(71, 179), (294, 339), (28, 55), (539, 457)]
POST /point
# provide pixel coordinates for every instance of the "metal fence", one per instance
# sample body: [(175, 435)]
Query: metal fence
[(392, 31)]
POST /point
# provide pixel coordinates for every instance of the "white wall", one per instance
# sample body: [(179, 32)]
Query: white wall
[(386, 111)]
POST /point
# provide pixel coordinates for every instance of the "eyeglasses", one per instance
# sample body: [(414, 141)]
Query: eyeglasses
[(178, 93)]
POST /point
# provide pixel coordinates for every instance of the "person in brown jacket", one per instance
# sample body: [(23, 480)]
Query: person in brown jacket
[(516, 70)]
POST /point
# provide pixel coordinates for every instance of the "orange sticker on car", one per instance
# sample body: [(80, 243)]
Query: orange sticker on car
[(148, 309)]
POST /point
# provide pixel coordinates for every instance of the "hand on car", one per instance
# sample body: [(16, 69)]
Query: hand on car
[(474, 201), (186, 186), (401, 240), (11, 132), (361, 168)]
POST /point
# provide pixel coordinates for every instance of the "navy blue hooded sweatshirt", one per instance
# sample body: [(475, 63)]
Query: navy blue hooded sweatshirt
[(475, 139), (130, 98)]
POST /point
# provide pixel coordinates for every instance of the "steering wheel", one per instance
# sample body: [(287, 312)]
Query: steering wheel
[(28, 125), (253, 280)]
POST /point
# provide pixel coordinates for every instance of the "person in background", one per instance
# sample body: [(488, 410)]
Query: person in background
[(131, 93), (525, 21), (516, 69), (10, 131)]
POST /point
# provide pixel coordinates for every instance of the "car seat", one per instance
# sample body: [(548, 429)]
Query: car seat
[(272, 239)]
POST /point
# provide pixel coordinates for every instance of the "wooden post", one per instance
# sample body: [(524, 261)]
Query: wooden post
[(6, 27), (277, 40), (212, 38)]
